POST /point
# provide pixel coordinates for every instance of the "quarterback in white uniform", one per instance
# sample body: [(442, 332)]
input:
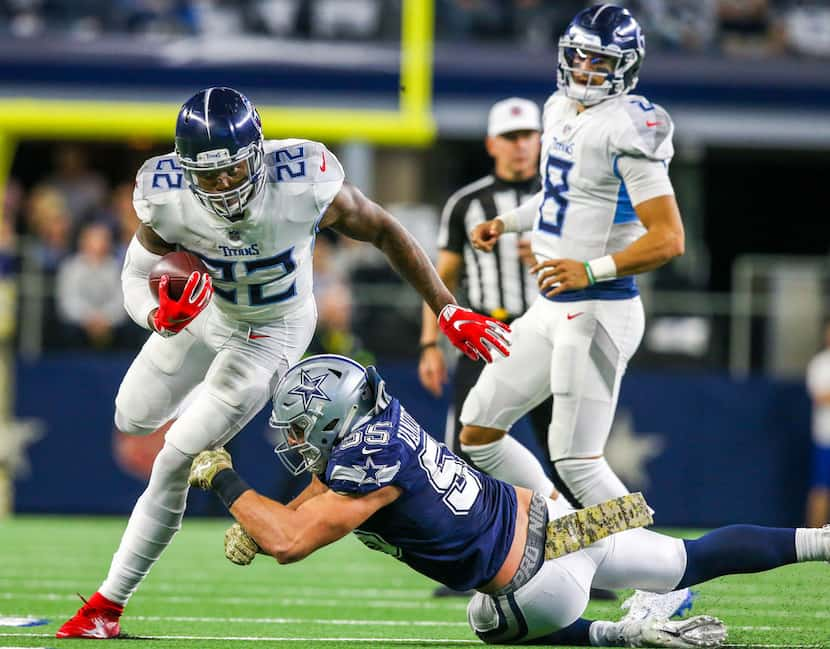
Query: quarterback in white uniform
[(250, 209), (606, 213)]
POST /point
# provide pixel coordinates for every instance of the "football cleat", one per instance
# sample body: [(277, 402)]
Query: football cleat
[(643, 605), (699, 631), (97, 618)]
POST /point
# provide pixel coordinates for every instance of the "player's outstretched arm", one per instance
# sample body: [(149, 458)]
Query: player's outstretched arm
[(354, 215), (432, 368), (286, 534)]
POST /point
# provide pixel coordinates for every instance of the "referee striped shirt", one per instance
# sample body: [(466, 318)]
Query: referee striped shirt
[(496, 282)]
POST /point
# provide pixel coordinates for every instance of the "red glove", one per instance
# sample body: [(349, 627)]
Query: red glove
[(174, 315), (472, 333)]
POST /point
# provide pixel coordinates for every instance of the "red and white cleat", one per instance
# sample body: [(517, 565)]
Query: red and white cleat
[(97, 618)]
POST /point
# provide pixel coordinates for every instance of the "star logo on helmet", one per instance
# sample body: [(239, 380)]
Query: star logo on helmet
[(309, 388)]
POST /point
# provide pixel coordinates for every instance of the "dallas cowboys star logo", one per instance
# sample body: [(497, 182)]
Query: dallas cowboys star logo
[(309, 388)]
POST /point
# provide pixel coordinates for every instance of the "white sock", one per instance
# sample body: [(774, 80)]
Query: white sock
[(590, 481), (812, 544), (156, 518), (511, 462)]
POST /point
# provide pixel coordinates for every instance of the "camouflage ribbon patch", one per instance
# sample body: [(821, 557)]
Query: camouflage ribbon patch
[(583, 527)]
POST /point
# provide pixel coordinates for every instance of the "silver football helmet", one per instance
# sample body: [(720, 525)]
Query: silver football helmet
[(317, 403)]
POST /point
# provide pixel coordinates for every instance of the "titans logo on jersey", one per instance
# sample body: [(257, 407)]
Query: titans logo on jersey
[(451, 523), (261, 264)]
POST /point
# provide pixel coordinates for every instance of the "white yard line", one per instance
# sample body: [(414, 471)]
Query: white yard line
[(255, 638)]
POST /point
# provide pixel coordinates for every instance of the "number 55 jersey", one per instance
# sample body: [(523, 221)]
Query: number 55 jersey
[(261, 264), (451, 523), (595, 166)]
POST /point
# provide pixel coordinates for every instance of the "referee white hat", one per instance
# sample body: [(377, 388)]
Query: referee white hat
[(514, 114)]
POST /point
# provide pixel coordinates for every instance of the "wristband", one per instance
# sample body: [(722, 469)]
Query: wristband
[(591, 279), (510, 220), (228, 486), (432, 343), (603, 268)]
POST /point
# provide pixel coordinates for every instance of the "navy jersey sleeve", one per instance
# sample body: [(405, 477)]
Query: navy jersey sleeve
[(369, 458)]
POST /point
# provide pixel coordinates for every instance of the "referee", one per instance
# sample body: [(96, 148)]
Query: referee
[(499, 284)]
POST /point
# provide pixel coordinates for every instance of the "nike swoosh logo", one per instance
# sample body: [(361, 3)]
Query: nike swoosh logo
[(650, 124), (457, 324), (253, 336), (571, 316), (369, 451), (323, 166)]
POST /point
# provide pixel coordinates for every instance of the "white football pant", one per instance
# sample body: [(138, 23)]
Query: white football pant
[(558, 594), (238, 366), (577, 351)]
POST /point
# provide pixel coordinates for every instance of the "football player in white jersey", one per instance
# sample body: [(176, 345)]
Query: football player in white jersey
[(607, 212), (250, 209)]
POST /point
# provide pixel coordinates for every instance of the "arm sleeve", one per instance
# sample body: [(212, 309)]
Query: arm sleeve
[(522, 218), (138, 300), (644, 179)]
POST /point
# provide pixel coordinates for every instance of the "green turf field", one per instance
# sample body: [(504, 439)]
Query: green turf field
[(343, 596)]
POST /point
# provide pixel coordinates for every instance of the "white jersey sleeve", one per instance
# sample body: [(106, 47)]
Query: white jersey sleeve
[(159, 184), (641, 149), (303, 165)]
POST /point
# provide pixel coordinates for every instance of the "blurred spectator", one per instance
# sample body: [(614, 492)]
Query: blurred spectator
[(49, 220), (88, 290), (818, 385), (333, 294), (538, 24), (351, 19), (803, 27), (84, 190), (122, 217), (745, 27), (677, 24), (472, 19), (157, 17)]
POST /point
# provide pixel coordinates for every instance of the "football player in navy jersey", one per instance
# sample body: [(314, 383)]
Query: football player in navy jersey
[(377, 473)]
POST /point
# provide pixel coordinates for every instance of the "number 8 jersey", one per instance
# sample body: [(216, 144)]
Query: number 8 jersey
[(451, 523), (261, 265), (595, 166)]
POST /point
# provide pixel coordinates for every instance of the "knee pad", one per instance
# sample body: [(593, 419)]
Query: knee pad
[(481, 614), (591, 481), (507, 460), (130, 427), (235, 381)]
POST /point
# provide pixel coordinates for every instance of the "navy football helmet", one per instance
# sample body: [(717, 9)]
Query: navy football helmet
[(601, 33), (219, 145)]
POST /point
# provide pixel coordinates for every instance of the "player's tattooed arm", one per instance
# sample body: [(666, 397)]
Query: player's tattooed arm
[(150, 239), (354, 215)]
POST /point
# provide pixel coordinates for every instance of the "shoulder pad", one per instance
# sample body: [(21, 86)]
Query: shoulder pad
[(157, 182), (301, 161), (645, 130), (360, 468)]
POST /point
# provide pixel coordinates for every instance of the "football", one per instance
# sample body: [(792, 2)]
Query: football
[(178, 266)]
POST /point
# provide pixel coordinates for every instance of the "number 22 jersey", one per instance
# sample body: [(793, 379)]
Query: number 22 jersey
[(450, 523), (261, 265)]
